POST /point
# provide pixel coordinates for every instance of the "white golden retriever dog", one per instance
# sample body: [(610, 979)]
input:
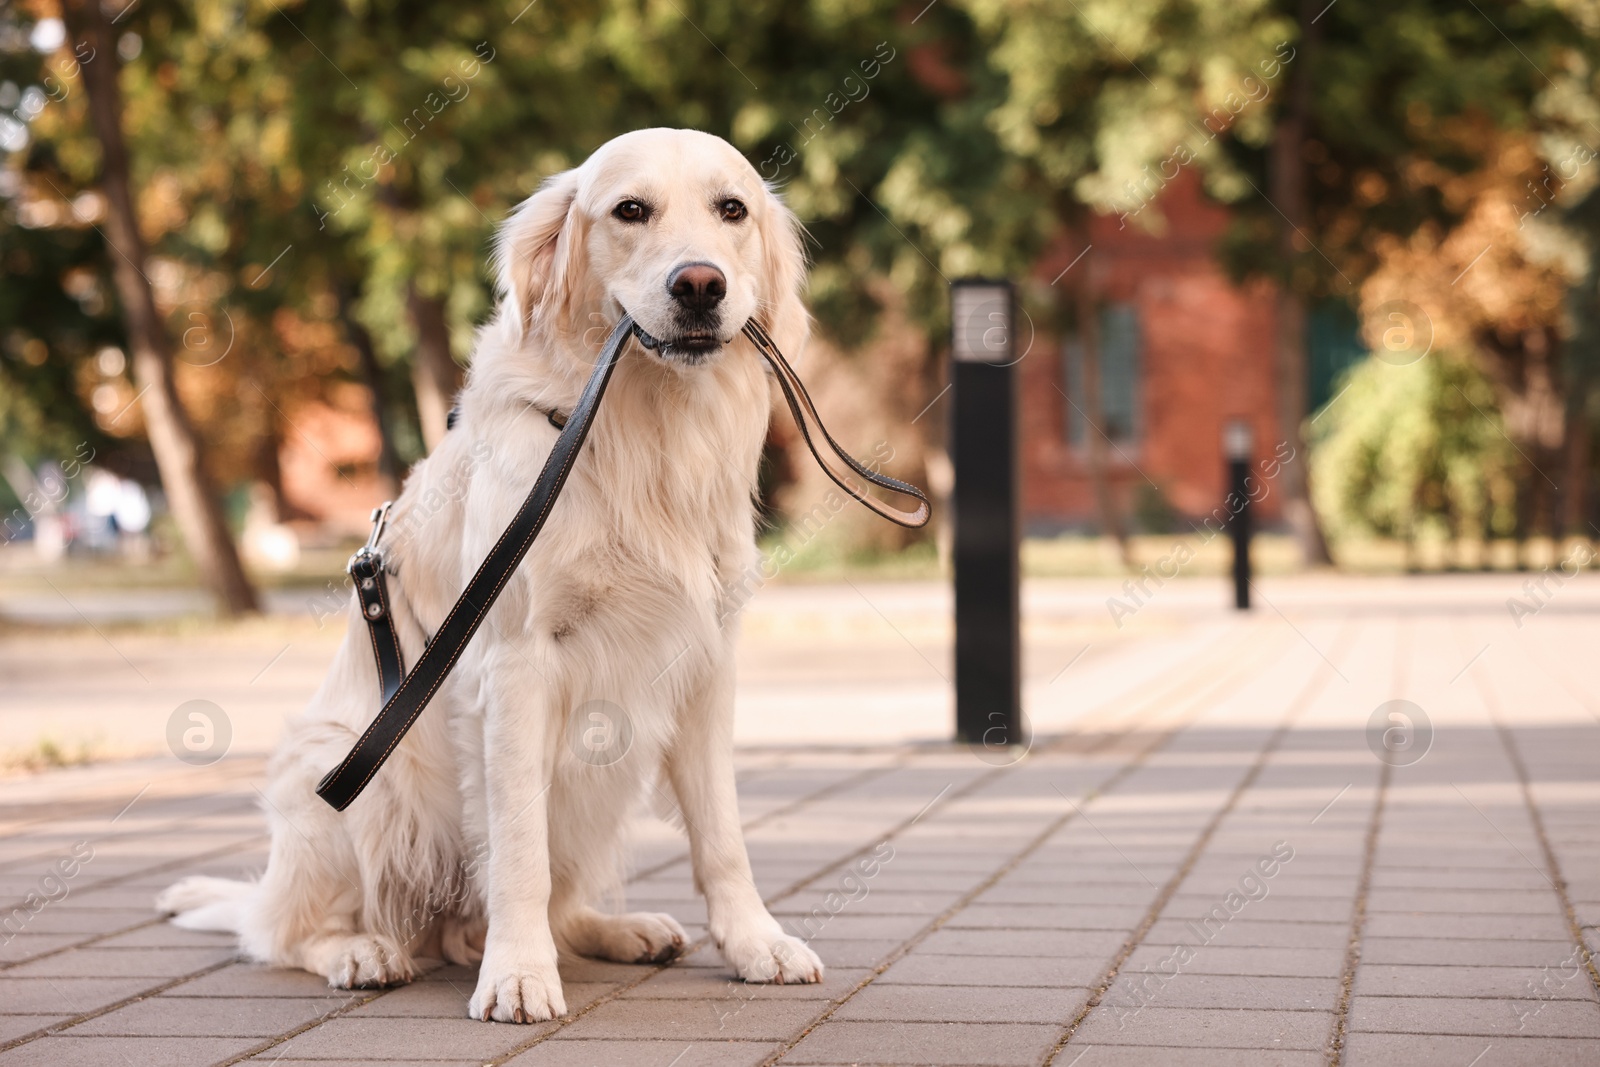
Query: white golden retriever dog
[(493, 830)]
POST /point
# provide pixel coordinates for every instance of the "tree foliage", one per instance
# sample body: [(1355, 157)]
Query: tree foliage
[(308, 171)]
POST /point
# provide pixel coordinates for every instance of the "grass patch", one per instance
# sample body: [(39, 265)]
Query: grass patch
[(47, 754), (823, 559)]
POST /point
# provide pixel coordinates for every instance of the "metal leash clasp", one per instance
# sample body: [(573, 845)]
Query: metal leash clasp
[(367, 561)]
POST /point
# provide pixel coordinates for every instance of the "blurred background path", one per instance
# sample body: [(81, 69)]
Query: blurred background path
[(842, 663)]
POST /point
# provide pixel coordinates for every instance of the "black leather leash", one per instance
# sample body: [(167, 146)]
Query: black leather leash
[(406, 695)]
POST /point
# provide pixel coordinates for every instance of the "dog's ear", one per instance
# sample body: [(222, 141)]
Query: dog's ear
[(784, 262), (536, 252)]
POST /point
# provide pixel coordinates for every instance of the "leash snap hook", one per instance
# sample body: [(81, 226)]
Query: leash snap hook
[(380, 519), (363, 566)]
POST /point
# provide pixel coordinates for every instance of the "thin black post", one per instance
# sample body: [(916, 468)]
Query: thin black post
[(1236, 444), (984, 510)]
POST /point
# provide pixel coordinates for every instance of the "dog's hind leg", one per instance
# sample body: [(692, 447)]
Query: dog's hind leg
[(633, 937), (307, 910), (202, 903), (461, 940), (590, 808)]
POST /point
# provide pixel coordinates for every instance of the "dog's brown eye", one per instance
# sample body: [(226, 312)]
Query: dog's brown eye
[(733, 210), (632, 211)]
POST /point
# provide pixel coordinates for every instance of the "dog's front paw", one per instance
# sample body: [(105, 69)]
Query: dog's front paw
[(527, 994), (772, 957)]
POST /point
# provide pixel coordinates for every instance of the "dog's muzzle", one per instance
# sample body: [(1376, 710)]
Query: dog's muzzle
[(685, 348)]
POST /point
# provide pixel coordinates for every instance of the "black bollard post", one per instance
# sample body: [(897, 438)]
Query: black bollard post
[(984, 510), (1236, 445)]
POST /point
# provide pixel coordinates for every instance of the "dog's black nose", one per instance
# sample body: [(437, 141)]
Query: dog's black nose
[(698, 286)]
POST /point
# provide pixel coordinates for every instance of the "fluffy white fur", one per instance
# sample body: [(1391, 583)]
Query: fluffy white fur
[(486, 834)]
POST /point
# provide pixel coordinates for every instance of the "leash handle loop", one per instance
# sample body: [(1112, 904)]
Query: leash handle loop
[(806, 418)]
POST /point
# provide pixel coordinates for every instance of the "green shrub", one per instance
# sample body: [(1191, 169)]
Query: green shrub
[(1403, 447)]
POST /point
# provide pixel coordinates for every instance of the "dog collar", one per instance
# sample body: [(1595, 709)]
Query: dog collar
[(558, 420)]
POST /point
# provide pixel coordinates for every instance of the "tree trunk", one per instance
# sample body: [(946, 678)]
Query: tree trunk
[(1094, 437), (372, 373), (435, 374), (1290, 196), (172, 438), (265, 460)]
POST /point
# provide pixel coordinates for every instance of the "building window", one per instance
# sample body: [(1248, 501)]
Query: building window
[(1119, 378), (1333, 345)]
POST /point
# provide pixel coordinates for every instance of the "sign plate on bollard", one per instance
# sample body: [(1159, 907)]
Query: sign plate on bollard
[(983, 451)]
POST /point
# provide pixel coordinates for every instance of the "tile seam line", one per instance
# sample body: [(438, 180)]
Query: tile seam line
[(1513, 752), (1333, 1050), (1473, 996), (1220, 682), (1498, 1035), (1297, 707), (1203, 668)]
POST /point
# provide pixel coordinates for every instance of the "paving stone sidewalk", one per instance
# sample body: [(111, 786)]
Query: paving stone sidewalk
[(1225, 860)]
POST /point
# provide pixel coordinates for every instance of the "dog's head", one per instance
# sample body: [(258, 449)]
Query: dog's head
[(673, 227)]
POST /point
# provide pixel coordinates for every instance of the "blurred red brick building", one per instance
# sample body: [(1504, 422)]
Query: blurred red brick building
[(1184, 351)]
